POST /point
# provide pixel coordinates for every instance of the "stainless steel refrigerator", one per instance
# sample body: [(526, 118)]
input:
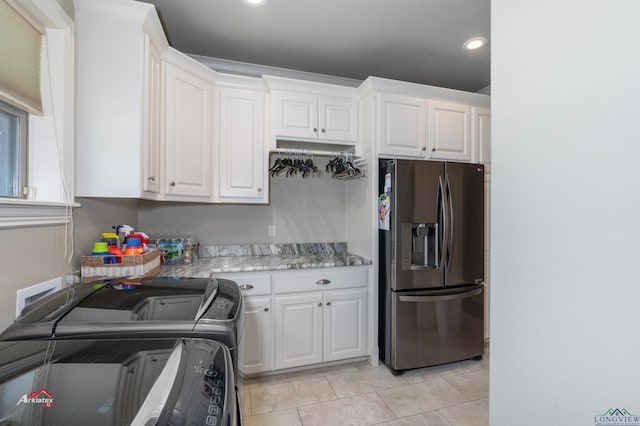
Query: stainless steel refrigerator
[(431, 277)]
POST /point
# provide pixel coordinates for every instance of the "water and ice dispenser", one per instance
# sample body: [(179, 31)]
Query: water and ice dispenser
[(420, 246)]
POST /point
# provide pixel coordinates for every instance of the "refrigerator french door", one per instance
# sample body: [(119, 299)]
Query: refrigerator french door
[(431, 263)]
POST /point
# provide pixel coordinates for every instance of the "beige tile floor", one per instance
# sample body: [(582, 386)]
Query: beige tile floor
[(455, 394)]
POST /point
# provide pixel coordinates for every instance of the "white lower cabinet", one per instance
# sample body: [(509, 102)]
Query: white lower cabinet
[(256, 349), (257, 339), (319, 327), (298, 332), (298, 318), (344, 324)]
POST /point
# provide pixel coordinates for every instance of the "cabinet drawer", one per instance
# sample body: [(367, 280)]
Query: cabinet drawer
[(251, 285), (325, 279)]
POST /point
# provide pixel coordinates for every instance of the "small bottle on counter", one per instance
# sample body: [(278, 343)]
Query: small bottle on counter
[(187, 251), (134, 246)]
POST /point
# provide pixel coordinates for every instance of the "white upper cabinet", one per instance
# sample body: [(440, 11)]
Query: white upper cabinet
[(402, 124), (151, 116), (117, 99), (428, 122), (449, 136), (481, 134), (306, 111), (188, 117), (338, 119), (294, 115), (240, 157), (314, 117)]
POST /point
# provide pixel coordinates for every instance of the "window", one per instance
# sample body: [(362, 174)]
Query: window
[(13, 151)]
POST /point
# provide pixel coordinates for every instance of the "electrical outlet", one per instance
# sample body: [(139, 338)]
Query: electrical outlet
[(272, 230)]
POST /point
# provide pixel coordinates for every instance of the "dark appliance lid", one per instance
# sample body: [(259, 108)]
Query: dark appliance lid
[(144, 307), (114, 382)]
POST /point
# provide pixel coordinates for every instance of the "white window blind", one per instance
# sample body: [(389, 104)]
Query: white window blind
[(19, 59)]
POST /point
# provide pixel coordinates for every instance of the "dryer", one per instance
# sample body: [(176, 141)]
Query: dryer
[(137, 308), (116, 382)]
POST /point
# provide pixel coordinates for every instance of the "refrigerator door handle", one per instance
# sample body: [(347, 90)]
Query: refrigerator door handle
[(442, 237), (450, 240), (442, 297)]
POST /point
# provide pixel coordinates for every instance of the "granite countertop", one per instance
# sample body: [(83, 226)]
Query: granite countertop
[(265, 257)]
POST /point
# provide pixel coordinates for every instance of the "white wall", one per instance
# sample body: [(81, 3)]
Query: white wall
[(303, 210), (35, 254), (98, 215), (29, 256), (565, 211)]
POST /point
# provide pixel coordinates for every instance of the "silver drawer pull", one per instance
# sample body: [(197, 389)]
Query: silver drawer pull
[(323, 281), (246, 287)]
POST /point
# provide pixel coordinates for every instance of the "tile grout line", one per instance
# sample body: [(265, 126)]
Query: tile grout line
[(386, 405), (446, 419), (299, 416)]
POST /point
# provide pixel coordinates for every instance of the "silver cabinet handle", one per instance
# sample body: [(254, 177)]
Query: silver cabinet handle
[(152, 178), (172, 183), (324, 131), (259, 189), (323, 281), (246, 287), (424, 148), (320, 304), (328, 303), (315, 130), (266, 309)]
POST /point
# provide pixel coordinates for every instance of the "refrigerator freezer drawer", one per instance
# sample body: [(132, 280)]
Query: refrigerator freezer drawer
[(436, 327)]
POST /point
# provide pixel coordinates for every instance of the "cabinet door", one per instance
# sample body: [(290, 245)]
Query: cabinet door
[(294, 115), (256, 347), (338, 119), (344, 324), (481, 134), (298, 332), (402, 122), (449, 131), (188, 116), (241, 160), (151, 129)]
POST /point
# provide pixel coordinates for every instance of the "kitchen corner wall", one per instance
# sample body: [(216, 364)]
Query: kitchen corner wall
[(308, 209), (98, 215), (29, 256)]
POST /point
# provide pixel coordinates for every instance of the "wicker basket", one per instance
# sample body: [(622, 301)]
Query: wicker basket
[(93, 267)]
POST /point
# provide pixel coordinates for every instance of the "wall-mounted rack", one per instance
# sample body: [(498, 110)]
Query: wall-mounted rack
[(344, 166), (315, 152)]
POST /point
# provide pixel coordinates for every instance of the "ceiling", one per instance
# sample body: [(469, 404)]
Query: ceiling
[(412, 40)]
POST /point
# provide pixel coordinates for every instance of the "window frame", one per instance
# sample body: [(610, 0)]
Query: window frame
[(45, 204), (23, 148)]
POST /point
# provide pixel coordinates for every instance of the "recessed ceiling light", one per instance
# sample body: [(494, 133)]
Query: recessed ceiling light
[(474, 43), (255, 2)]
